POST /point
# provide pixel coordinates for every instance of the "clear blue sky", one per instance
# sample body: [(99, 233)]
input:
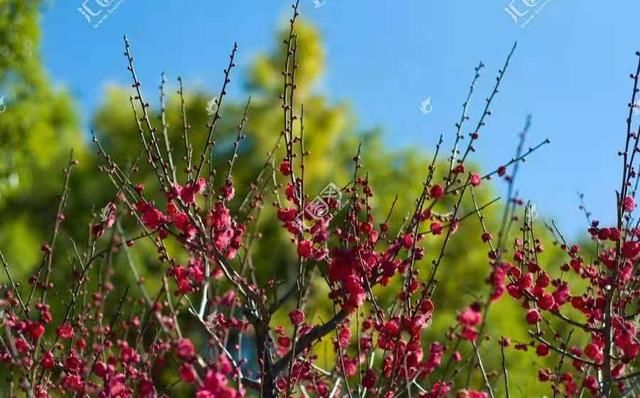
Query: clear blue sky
[(570, 72)]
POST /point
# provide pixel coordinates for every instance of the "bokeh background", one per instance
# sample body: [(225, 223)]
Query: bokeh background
[(384, 58), (366, 70)]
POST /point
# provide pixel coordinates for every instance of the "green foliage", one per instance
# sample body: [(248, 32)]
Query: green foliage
[(38, 126)]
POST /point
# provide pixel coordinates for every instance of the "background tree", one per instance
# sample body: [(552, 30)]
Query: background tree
[(38, 126)]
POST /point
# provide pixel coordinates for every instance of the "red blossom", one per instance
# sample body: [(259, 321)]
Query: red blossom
[(435, 228), (436, 191), (228, 192), (73, 383), (305, 248), (475, 179), (36, 330), (285, 167), (470, 317), (185, 349), (47, 361), (151, 217), (533, 316), (65, 331), (188, 192), (296, 317), (628, 204), (546, 301), (187, 373), (542, 350)]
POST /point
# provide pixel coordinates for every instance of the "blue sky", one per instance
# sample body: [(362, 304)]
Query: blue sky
[(570, 71)]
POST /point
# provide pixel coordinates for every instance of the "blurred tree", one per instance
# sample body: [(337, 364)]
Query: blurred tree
[(38, 126)]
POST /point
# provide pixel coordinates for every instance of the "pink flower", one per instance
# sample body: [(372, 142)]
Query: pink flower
[(185, 349), (228, 192), (435, 228), (391, 328), (36, 330), (542, 350), (73, 383), (296, 317), (187, 373), (533, 316), (305, 248), (546, 301), (284, 341), (470, 317), (285, 167), (182, 222), (190, 190), (100, 369), (151, 217), (287, 214), (628, 204), (65, 331), (475, 179), (369, 379), (47, 360), (436, 191)]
